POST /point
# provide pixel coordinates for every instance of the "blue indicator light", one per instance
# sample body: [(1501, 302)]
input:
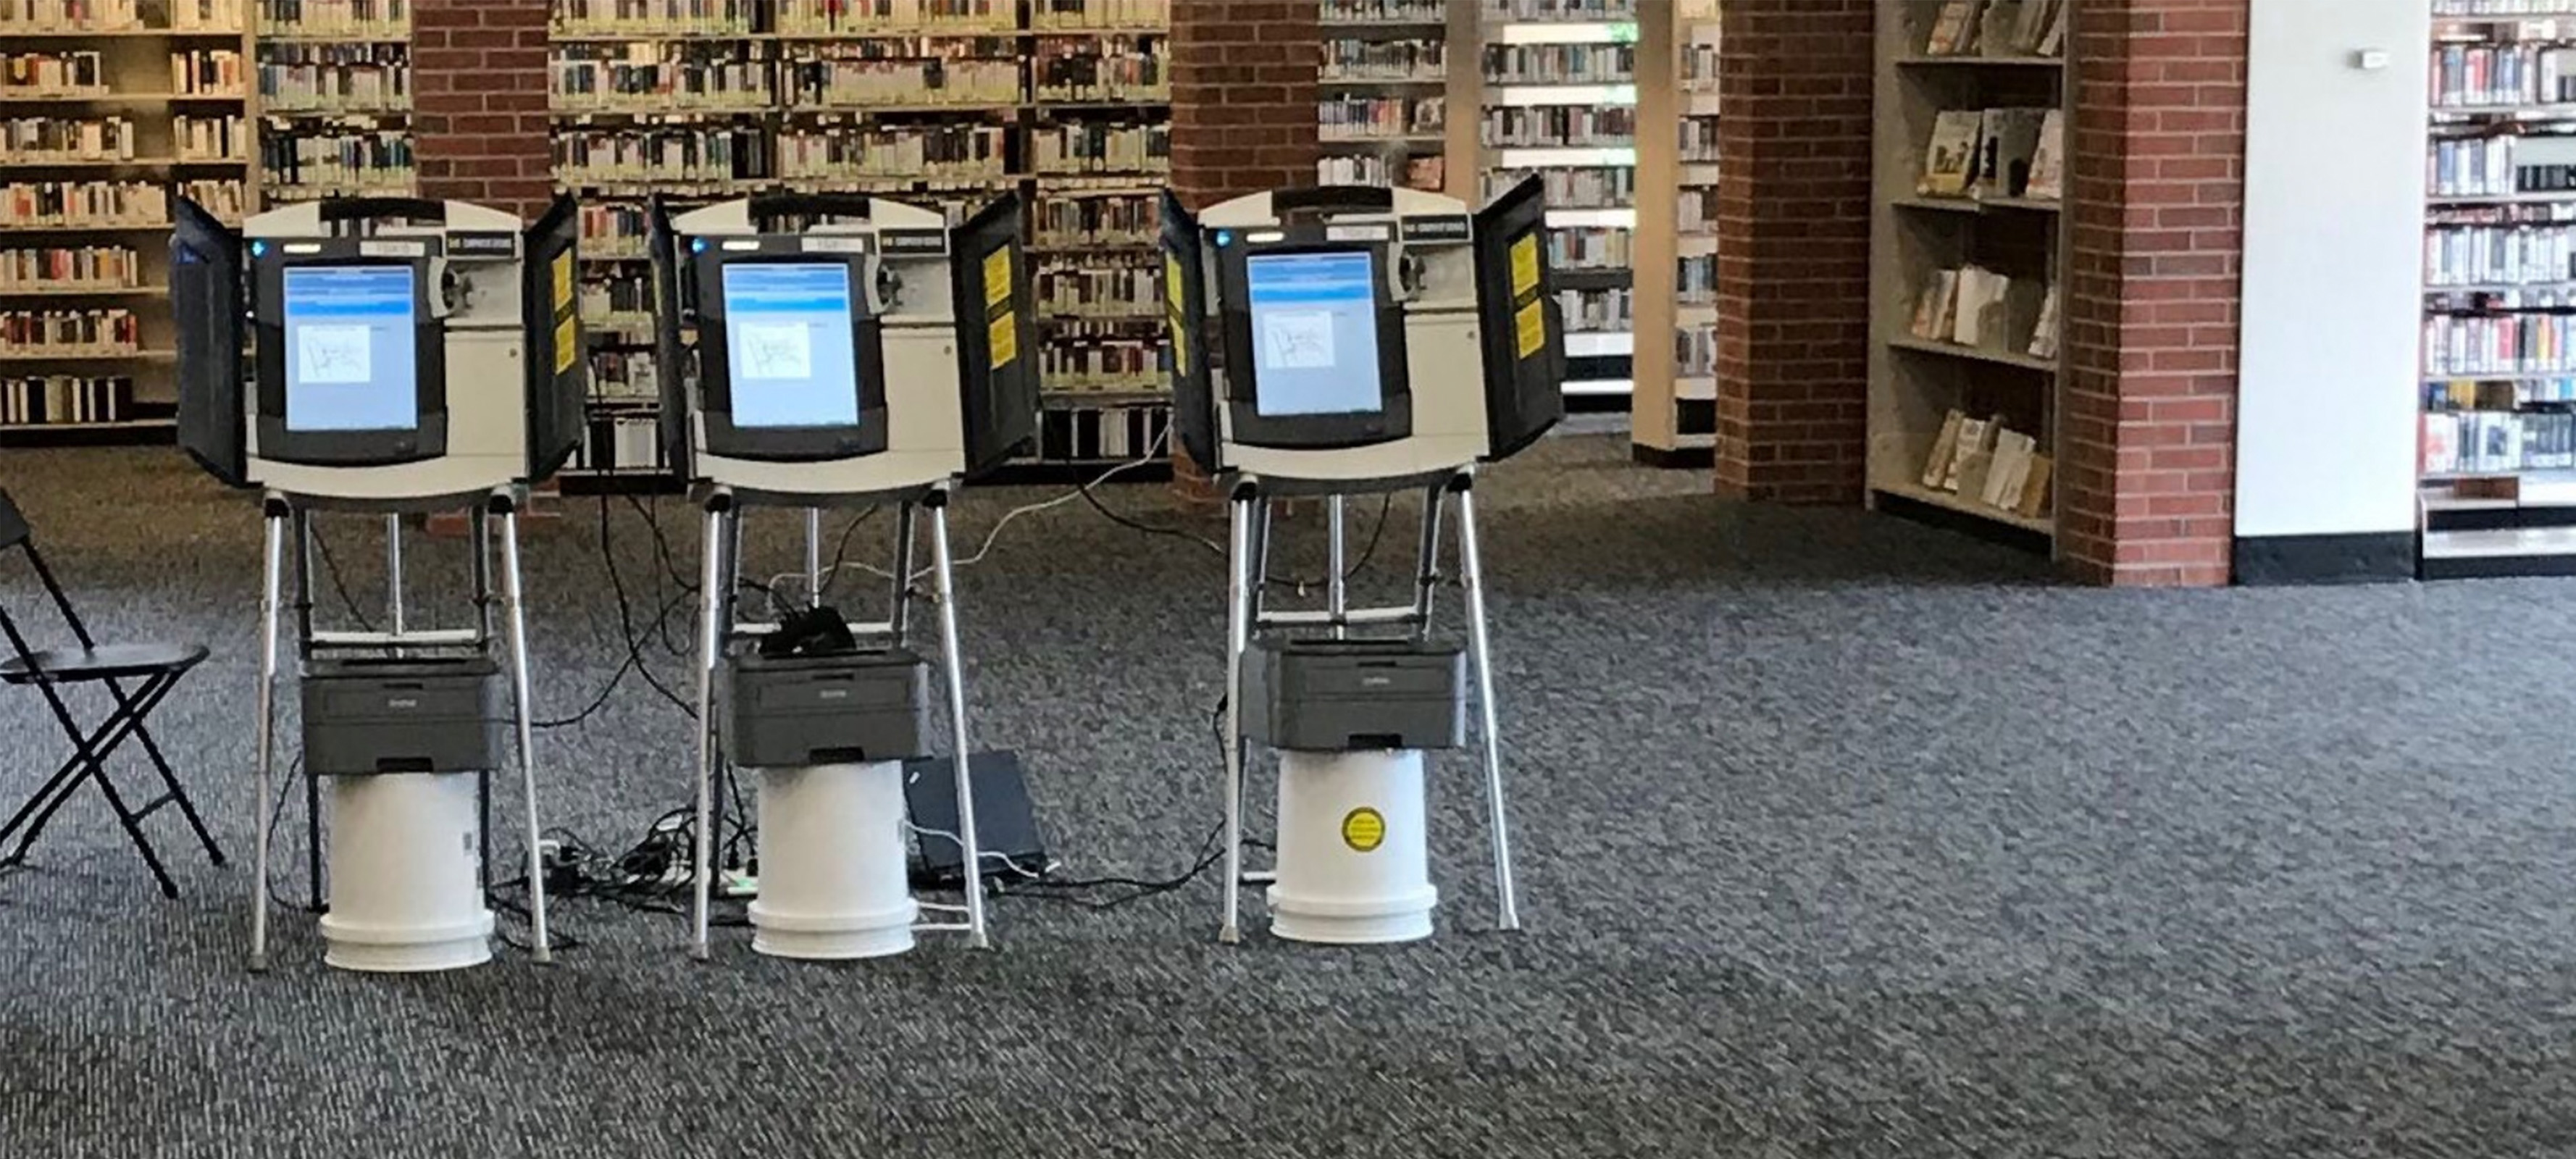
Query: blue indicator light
[(1224, 238), (259, 249)]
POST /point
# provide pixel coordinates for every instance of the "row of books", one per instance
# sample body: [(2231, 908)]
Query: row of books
[(1120, 291), (101, 331), (2486, 442), (1598, 311), (830, 16), (1100, 70), (1989, 464), (623, 443), (1547, 11), (601, 300), (338, 158), (217, 138), (52, 73), (1698, 139), (2484, 255), (2473, 394), (1591, 248), (2502, 8), (1695, 278), (932, 152), (1102, 148), (1078, 358), (2497, 166), (1071, 15), (1695, 351), (1561, 125), (589, 155), (1125, 219), (38, 139), (1385, 11), (1999, 28), (1572, 187), (2493, 75), (104, 203), (94, 267), (844, 83), (207, 72), (1385, 59), (69, 15), (61, 399), (1356, 117), (1977, 307), (1419, 172), (1102, 435), (361, 77), (1555, 64), (336, 17), (1995, 153), (2509, 344)]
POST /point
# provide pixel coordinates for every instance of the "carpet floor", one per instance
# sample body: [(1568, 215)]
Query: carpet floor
[(1837, 836)]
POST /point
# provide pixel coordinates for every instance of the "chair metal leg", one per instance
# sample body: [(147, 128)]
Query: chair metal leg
[(1471, 570), (953, 660), (134, 832), (711, 633), (268, 610), (515, 595), (88, 762), (1238, 615), (178, 795)]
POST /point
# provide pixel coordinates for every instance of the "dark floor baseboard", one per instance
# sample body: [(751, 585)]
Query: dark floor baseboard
[(1675, 459), (2286, 560)]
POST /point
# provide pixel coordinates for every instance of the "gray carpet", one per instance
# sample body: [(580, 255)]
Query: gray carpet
[(1838, 836)]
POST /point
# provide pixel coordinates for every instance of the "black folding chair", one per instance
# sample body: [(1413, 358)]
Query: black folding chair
[(151, 670)]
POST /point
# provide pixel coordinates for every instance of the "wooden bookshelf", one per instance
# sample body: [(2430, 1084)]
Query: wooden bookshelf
[(115, 113), (1391, 56), (1920, 371), (1673, 417), (333, 99), (1065, 103), (1560, 83), (2497, 469)]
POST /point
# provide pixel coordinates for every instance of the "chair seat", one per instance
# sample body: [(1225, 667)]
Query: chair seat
[(105, 662)]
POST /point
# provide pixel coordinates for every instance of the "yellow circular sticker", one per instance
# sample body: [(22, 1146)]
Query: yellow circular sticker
[(1364, 829)]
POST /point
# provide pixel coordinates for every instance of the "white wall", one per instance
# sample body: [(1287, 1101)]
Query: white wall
[(2334, 242)]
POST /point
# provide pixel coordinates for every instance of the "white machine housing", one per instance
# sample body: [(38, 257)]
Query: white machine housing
[(476, 297), (909, 252), (1434, 276)]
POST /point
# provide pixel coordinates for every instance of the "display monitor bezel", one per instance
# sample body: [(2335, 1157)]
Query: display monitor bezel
[(1393, 420), (726, 438), (426, 438)]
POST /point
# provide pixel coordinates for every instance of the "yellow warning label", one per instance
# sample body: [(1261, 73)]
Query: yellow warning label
[(1175, 314), (1364, 829), (1532, 324), (997, 278), (563, 280), (567, 344), (1003, 338), (1525, 266)]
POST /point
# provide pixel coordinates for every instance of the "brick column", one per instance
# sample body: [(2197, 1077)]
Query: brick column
[(1243, 97), (2148, 428), (1795, 79), (479, 130)]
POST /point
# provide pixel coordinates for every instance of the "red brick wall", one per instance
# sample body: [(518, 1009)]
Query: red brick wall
[(1793, 248), (479, 132), (1243, 97), (2147, 433)]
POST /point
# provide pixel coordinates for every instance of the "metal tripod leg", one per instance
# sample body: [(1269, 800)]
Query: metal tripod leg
[(903, 535), (268, 609), (814, 556), (1238, 615), (1427, 579), (1471, 570), (711, 629), (1336, 585), (514, 592), (953, 659)]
